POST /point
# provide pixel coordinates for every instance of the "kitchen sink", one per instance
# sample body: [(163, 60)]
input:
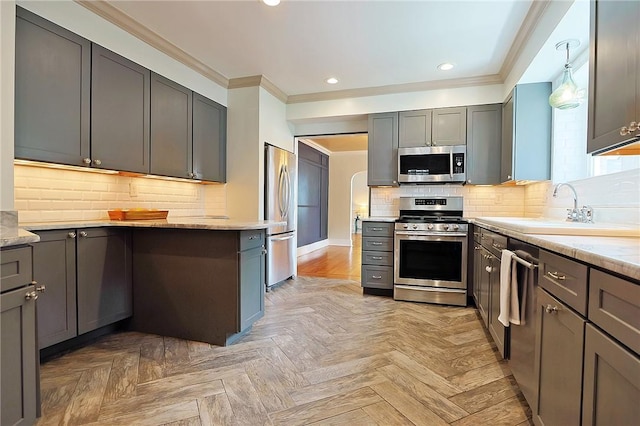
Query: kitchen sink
[(551, 226)]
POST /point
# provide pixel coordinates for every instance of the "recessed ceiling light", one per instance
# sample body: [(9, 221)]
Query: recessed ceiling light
[(445, 67), (271, 2), (332, 80)]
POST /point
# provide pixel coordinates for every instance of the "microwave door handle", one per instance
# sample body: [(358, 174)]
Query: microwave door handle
[(451, 162)]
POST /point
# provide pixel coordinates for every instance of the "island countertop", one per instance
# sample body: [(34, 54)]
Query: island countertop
[(187, 222)]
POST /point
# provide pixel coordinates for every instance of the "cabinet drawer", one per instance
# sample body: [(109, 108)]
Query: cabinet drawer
[(377, 276), (377, 229), (15, 268), (251, 239), (377, 244), (565, 279), (614, 305), (380, 258)]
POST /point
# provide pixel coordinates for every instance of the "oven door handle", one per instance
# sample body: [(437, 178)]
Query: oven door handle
[(451, 163), (421, 234)]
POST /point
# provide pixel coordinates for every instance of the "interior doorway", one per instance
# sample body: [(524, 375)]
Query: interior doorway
[(359, 201)]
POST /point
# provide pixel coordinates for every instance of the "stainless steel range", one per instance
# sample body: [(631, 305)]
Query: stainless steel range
[(430, 251)]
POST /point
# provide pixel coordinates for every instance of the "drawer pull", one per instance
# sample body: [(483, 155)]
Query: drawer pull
[(253, 237), (557, 276), (477, 248), (376, 229), (376, 243), (488, 269), (376, 277), (551, 309), (376, 257)]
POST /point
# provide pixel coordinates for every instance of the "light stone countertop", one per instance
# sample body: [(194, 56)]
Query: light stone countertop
[(379, 219), (21, 236), (616, 254), (210, 223)]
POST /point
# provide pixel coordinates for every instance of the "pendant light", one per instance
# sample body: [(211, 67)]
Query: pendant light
[(567, 95)]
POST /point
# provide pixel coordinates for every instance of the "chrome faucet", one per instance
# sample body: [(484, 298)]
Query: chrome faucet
[(584, 214)]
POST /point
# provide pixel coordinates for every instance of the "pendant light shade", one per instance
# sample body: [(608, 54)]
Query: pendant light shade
[(567, 95)]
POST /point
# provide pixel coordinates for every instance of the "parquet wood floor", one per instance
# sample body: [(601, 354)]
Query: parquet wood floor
[(323, 354)]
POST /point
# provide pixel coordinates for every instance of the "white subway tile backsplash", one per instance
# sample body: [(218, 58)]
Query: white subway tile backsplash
[(45, 194)]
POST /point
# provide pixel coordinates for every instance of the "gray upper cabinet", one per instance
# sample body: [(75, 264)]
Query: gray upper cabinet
[(449, 126), (383, 150), (209, 139), (104, 277), (54, 265), (415, 128), (171, 128), (52, 92), (526, 133), (19, 365), (484, 141), (614, 73), (120, 103)]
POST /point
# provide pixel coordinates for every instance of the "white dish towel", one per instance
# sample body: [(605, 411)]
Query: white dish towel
[(508, 289)]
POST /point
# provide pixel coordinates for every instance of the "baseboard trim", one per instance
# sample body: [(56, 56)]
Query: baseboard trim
[(340, 242), (312, 247)]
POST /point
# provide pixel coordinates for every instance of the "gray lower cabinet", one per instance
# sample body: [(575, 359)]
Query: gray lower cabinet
[(54, 265), (171, 128), (104, 280), (377, 255), (52, 92), (415, 128), (611, 381), (484, 143), (383, 150), (559, 351), (88, 276), (209, 139), (198, 284), (449, 126), (497, 330), (19, 364), (526, 133), (120, 103), (614, 73)]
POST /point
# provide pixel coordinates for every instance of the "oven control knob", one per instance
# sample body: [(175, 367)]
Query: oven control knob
[(446, 227), (415, 226), (456, 227), (405, 226), (430, 226)]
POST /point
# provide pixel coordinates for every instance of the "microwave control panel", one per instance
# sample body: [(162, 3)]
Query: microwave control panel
[(458, 163)]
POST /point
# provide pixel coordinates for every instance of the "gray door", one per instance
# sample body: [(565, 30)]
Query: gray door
[(313, 195), (613, 72), (171, 128), (252, 286), (18, 358), (382, 167), (52, 91), (483, 286), (415, 128), (484, 142), (120, 103), (449, 126), (497, 330), (209, 139), (54, 265), (104, 277), (611, 381), (559, 345)]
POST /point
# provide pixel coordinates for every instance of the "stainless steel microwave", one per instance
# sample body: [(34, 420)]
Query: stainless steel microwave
[(432, 164)]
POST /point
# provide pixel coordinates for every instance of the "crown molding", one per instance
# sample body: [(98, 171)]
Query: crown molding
[(531, 20), (258, 80), (397, 88), (127, 23)]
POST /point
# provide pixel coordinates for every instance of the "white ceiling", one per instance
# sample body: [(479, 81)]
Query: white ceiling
[(299, 43)]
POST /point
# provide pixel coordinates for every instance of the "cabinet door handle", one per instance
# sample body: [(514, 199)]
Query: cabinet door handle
[(97, 162), (477, 248), (551, 309), (86, 161), (71, 234), (83, 233), (488, 269), (39, 288), (376, 277), (31, 295), (557, 276)]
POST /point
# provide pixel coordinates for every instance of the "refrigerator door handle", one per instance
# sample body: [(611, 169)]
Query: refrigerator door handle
[(287, 192), (282, 238), (281, 185)]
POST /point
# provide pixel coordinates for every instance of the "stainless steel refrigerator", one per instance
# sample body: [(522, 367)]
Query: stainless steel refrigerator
[(279, 205)]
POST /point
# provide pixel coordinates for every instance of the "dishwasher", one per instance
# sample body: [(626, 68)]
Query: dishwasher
[(523, 337)]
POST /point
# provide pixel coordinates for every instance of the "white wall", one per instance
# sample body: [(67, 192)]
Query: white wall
[(342, 167), (7, 61), (359, 198)]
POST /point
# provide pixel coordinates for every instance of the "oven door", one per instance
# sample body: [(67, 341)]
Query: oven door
[(430, 260)]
